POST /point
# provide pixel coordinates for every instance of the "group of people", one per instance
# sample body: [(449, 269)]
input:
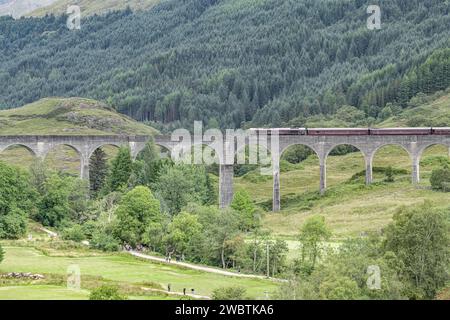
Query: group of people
[(169, 287)]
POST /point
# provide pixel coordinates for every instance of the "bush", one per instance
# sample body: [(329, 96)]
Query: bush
[(74, 233), (389, 175), (106, 293), (297, 154), (229, 293), (105, 242), (440, 179), (1, 254), (13, 225)]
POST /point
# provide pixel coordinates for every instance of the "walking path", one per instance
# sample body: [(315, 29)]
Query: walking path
[(201, 268), (50, 233), (189, 266), (178, 294)]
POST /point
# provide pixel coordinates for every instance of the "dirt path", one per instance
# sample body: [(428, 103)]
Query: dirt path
[(50, 233), (200, 268), (178, 294)]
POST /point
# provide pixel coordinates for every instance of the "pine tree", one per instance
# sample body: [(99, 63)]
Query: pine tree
[(98, 168), (147, 166), (121, 168)]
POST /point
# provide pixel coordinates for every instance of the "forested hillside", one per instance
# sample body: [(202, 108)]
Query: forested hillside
[(232, 62)]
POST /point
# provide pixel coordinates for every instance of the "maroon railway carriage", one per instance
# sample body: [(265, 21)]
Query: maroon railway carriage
[(441, 131), (338, 132), (281, 131), (401, 132)]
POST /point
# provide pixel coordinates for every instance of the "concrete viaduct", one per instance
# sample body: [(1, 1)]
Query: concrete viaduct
[(414, 145)]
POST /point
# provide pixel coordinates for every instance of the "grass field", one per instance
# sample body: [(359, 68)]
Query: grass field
[(349, 208), (41, 292), (125, 269)]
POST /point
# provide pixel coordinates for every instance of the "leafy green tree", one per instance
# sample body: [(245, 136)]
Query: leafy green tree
[(344, 274), (180, 184), (16, 201), (243, 204), (230, 293), (154, 236), (106, 292), (13, 225), (1, 254), (440, 179), (74, 233), (121, 168), (54, 205), (184, 233), (339, 288), (136, 211), (224, 228), (105, 241), (278, 250), (419, 238), (312, 235), (98, 170)]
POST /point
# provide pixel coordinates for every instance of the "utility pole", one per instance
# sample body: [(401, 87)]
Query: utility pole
[(268, 260)]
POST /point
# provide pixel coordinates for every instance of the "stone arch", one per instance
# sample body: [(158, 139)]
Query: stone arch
[(22, 145), (315, 174), (165, 150), (83, 162), (387, 145), (53, 147), (192, 148), (101, 145), (354, 145), (310, 146), (18, 154), (422, 150), (432, 162), (409, 155), (359, 150)]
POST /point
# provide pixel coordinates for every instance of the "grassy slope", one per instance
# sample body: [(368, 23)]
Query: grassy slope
[(68, 116), (352, 208), (90, 7), (435, 113), (128, 269)]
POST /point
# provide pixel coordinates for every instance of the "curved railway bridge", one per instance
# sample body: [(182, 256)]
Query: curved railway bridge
[(321, 141)]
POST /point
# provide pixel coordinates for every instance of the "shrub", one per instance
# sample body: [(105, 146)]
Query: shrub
[(105, 242), (389, 175), (106, 292), (440, 178), (74, 233), (13, 225), (229, 293)]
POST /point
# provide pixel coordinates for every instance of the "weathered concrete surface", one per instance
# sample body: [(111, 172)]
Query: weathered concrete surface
[(225, 185), (321, 145)]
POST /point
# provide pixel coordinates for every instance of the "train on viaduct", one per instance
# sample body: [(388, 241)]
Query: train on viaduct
[(321, 140)]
